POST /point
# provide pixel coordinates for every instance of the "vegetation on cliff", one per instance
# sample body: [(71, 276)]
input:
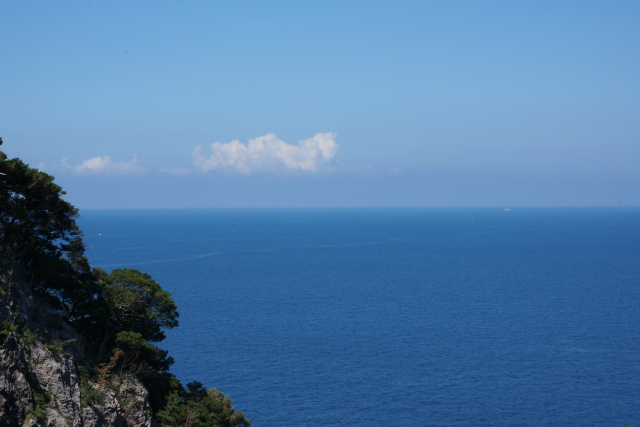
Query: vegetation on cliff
[(121, 315)]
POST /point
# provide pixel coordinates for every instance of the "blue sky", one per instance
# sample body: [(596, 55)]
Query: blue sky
[(286, 104)]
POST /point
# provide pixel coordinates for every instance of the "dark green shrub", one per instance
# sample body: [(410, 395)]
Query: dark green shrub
[(200, 407), (59, 345), (41, 399), (89, 396)]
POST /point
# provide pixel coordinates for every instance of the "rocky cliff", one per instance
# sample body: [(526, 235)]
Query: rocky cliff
[(41, 374)]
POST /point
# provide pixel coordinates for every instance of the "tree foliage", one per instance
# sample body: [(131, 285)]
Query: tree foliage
[(35, 222), (200, 407), (134, 310)]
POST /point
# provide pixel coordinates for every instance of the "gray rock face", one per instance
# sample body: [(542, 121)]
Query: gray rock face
[(55, 372), (108, 414), (40, 360), (135, 401), (15, 391)]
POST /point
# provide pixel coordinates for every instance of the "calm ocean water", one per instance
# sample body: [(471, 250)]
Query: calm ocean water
[(395, 317)]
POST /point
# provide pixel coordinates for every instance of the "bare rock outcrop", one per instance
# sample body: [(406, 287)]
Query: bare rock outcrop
[(39, 381), (107, 414), (135, 400), (15, 391)]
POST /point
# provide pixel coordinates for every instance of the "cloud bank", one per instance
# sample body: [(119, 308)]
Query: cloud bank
[(268, 153), (103, 165)]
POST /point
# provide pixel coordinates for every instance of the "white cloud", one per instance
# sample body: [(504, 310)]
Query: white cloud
[(103, 165), (268, 153)]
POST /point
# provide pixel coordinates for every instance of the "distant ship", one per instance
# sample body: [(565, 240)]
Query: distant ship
[(507, 209)]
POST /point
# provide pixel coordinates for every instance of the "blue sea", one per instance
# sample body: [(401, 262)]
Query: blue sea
[(397, 317)]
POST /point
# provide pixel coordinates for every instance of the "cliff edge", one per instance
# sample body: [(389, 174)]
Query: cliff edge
[(41, 373), (78, 344)]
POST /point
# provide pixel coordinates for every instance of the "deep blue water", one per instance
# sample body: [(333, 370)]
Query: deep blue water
[(396, 317)]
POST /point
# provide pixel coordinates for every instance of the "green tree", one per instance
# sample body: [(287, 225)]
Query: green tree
[(134, 311), (35, 222), (129, 315), (39, 232), (200, 407)]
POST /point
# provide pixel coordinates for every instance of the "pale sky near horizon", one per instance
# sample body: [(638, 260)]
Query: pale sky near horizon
[(325, 103)]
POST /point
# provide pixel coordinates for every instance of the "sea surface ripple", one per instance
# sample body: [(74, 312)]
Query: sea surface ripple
[(394, 317)]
